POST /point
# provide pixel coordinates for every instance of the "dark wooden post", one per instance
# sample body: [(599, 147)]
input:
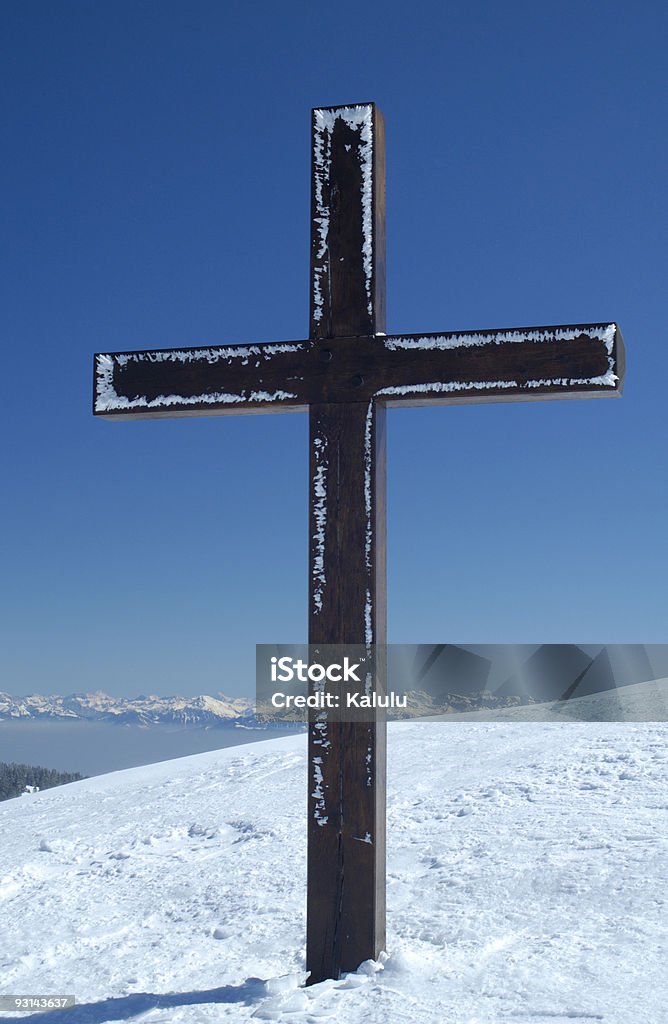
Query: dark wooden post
[(347, 604)]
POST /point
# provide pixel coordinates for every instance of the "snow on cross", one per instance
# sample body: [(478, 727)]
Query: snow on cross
[(346, 374)]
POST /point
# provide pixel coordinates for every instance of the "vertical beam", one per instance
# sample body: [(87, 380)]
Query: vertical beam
[(346, 814), (347, 222), (347, 602)]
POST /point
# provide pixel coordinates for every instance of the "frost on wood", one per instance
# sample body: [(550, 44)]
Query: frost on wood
[(598, 332), (107, 398), (320, 520), (368, 531), (360, 120), (368, 428), (368, 624), (318, 793), (447, 386)]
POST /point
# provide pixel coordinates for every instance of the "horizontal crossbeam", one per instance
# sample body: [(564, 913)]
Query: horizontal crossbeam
[(585, 361)]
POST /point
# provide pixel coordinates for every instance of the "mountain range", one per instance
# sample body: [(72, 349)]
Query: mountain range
[(201, 710)]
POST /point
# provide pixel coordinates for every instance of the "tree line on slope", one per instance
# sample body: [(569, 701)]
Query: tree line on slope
[(14, 778)]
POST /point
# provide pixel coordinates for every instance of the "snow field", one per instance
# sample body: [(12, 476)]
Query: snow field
[(526, 883)]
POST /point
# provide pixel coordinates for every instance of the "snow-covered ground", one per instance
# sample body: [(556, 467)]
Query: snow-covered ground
[(527, 869)]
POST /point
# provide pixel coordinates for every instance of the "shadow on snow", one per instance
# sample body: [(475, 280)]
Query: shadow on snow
[(126, 1007)]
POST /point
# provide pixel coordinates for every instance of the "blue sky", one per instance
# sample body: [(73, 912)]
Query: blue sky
[(155, 193)]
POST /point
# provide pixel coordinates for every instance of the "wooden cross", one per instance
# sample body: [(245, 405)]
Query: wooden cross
[(346, 375)]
